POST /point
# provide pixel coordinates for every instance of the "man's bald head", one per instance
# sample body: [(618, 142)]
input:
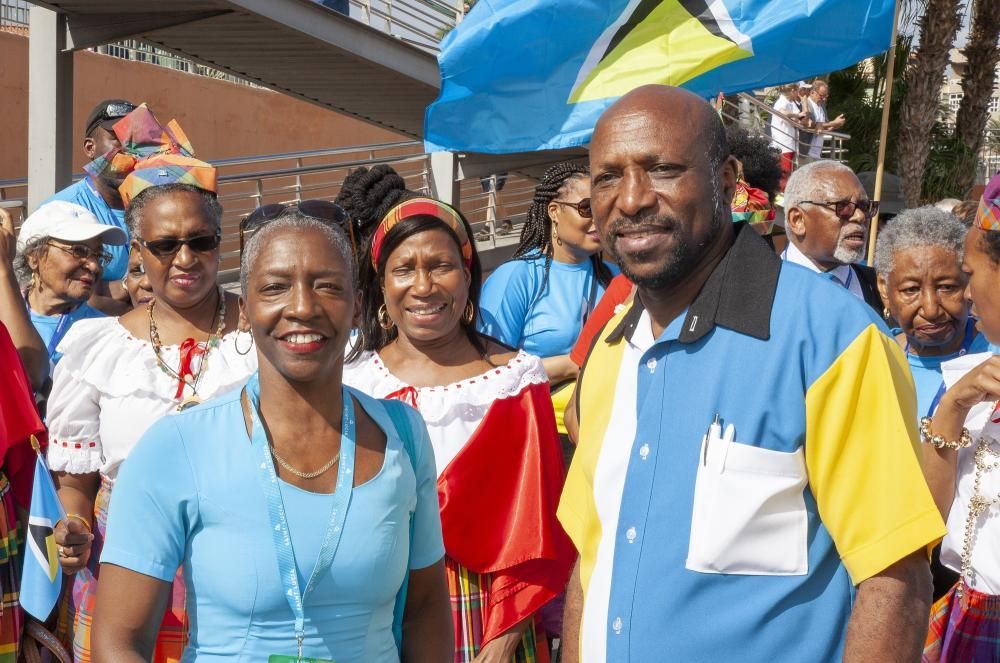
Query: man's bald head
[(662, 183), (666, 100)]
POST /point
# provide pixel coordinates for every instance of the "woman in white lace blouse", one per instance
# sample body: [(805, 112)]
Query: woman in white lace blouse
[(119, 375)]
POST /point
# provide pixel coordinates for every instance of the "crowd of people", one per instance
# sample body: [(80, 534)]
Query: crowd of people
[(651, 435)]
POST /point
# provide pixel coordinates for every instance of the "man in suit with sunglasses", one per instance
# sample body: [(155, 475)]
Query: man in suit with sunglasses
[(101, 197), (827, 220)]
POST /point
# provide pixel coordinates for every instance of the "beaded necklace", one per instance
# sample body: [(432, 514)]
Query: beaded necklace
[(986, 460), (186, 377)]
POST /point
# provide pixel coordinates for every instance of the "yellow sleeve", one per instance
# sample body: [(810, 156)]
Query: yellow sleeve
[(863, 459)]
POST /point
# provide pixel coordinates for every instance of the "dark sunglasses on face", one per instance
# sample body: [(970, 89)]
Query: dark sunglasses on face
[(165, 248), (845, 208), (84, 253), (321, 210), (582, 207)]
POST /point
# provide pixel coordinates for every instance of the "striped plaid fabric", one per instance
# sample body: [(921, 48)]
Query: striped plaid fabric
[(988, 214), (469, 594), (11, 615), (76, 609), (966, 631)]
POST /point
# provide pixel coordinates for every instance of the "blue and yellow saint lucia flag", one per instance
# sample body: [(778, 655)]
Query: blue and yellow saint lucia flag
[(41, 578), (524, 75)]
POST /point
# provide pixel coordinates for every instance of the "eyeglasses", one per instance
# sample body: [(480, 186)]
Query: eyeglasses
[(582, 207), (165, 248), (321, 210), (83, 253), (113, 111), (845, 208)]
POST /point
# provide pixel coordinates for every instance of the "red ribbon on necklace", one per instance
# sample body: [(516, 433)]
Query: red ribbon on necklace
[(190, 349)]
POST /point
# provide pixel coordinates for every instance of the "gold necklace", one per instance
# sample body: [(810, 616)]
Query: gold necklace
[(189, 380), (302, 475), (986, 459)]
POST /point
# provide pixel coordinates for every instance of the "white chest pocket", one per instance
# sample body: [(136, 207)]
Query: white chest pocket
[(749, 515)]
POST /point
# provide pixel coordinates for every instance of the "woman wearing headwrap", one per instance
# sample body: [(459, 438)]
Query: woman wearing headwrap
[(119, 375), (490, 420), (962, 463)]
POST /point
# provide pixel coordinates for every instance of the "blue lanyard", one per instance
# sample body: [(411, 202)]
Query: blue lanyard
[(280, 534), (970, 336), (830, 275), (62, 326)]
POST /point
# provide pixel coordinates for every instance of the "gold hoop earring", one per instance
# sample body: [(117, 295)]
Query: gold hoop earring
[(236, 343), (469, 314), (384, 321)]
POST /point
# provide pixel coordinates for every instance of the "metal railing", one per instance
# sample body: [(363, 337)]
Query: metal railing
[(246, 183), (419, 22), (755, 115), (14, 16)]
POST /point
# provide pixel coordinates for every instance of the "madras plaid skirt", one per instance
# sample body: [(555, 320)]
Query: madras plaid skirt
[(469, 594), (76, 609), (11, 615), (964, 631)]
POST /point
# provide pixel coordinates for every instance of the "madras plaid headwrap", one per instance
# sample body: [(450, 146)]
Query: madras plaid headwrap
[(752, 205), (422, 207), (162, 169), (988, 214)]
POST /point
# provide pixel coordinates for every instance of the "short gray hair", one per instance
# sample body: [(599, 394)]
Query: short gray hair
[(920, 227), (22, 270), (136, 206), (804, 180), (293, 218)]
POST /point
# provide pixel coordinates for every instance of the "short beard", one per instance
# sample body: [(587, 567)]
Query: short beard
[(846, 256), (685, 255)]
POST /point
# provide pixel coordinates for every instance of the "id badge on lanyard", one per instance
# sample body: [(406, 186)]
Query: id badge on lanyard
[(280, 535)]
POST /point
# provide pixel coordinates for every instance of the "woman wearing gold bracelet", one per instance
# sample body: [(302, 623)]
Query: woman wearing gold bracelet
[(962, 462)]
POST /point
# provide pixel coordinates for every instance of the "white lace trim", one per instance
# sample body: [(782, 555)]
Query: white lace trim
[(102, 353), (442, 403)]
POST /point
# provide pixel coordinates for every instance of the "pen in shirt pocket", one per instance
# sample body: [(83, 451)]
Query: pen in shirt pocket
[(714, 430)]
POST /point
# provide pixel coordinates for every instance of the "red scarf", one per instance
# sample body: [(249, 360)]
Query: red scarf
[(18, 421)]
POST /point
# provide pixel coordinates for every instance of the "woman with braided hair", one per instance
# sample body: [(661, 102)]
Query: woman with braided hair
[(539, 301), (368, 194)]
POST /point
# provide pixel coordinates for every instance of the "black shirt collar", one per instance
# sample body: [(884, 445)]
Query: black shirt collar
[(738, 295)]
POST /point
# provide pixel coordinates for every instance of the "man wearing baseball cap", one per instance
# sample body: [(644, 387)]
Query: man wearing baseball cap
[(101, 197), (60, 258)]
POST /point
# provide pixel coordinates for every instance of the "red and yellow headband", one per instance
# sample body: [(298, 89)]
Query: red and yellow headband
[(422, 207)]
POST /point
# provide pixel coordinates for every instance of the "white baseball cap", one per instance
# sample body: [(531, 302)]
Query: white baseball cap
[(67, 222)]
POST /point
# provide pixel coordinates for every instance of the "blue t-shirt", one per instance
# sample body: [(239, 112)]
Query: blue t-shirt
[(189, 496), (516, 310), (83, 194), (926, 372), (46, 326)]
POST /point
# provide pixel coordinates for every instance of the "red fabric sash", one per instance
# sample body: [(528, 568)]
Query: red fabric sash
[(498, 508), (18, 421)]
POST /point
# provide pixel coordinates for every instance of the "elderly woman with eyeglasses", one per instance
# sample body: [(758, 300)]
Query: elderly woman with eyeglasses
[(118, 376), (59, 259)]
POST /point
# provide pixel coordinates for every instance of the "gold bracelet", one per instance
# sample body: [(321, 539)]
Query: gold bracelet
[(938, 441), (83, 520)]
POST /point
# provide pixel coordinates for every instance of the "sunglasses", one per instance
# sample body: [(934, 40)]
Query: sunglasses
[(845, 208), (321, 210), (84, 253), (582, 207), (165, 248)]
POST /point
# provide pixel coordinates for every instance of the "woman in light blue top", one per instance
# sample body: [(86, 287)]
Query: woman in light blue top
[(918, 259), (60, 257), (539, 301), (304, 514)]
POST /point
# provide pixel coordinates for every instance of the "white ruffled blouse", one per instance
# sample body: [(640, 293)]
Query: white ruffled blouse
[(452, 412), (108, 390)]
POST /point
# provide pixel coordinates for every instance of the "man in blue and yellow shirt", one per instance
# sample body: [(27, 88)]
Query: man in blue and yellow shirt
[(746, 486)]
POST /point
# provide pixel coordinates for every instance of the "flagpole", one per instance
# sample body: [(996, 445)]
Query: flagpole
[(884, 132)]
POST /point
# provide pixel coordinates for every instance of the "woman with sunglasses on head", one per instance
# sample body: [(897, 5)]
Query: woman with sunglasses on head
[(539, 301), (119, 375), (490, 421), (962, 463), (60, 257), (303, 513)]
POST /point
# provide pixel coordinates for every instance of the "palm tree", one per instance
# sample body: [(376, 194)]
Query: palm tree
[(982, 53), (938, 25)]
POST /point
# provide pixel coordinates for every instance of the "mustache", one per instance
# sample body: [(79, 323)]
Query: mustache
[(659, 222)]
